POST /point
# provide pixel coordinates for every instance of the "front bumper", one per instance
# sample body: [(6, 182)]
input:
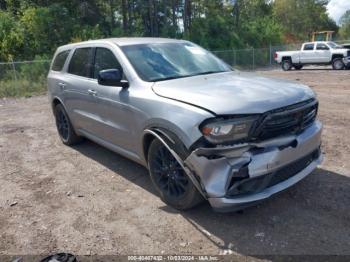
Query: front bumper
[(260, 166)]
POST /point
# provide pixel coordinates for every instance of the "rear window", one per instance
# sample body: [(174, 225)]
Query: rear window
[(80, 64), (59, 61), (309, 47)]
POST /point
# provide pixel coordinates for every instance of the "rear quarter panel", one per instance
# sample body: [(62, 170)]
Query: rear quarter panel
[(294, 55)]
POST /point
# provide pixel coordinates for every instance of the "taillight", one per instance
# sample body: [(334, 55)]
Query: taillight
[(275, 55)]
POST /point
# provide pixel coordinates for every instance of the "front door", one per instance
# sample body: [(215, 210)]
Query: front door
[(113, 106), (323, 53), (308, 55)]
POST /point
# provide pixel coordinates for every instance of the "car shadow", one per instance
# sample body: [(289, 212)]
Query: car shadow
[(317, 69), (309, 218)]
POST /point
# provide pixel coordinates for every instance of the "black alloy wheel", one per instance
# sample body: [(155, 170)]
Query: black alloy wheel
[(64, 126), (169, 175), (169, 178)]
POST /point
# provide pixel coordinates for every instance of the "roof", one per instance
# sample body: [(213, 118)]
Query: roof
[(316, 42), (123, 41), (142, 40)]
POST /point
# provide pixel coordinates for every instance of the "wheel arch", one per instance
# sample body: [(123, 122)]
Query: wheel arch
[(172, 145), (146, 142), (55, 101), (334, 56), (58, 101), (167, 136), (286, 58)]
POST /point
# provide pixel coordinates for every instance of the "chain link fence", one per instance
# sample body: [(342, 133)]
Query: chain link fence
[(26, 78), (254, 58), (257, 58), (251, 58)]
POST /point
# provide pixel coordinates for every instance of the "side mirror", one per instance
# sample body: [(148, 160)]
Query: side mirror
[(112, 77)]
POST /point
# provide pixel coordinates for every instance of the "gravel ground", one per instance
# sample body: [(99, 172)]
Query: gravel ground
[(88, 200)]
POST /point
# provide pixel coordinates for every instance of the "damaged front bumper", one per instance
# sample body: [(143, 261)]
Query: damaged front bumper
[(234, 177)]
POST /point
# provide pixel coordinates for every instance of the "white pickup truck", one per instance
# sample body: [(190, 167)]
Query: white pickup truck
[(313, 53)]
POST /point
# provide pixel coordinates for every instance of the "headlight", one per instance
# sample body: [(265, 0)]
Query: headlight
[(219, 131)]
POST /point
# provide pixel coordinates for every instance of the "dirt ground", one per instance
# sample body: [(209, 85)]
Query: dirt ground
[(88, 200)]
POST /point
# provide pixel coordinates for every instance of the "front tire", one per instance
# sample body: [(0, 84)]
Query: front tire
[(172, 183), (64, 127), (338, 64), (286, 65)]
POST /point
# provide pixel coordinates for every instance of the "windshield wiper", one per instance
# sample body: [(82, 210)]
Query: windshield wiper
[(208, 72), (176, 77), (167, 78)]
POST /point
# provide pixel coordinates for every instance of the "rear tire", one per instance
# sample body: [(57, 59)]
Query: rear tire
[(172, 183), (338, 64), (286, 65), (64, 126), (298, 67)]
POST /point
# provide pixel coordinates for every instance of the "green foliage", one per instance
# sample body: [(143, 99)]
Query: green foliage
[(37, 27), (83, 33), (299, 18), (263, 31), (22, 88), (24, 79), (11, 37), (46, 28), (344, 31), (208, 32), (34, 71)]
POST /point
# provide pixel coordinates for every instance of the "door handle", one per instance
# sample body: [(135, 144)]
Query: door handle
[(92, 92), (62, 85)]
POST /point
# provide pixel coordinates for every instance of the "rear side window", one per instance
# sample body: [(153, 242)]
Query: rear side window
[(80, 64), (59, 61), (105, 59), (309, 47)]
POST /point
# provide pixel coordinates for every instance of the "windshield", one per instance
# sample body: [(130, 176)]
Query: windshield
[(333, 45), (163, 61)]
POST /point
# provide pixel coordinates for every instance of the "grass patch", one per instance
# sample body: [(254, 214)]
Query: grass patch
[(22, 88), (23, 79)]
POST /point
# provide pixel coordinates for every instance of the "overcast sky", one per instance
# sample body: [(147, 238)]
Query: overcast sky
[(336, 8)]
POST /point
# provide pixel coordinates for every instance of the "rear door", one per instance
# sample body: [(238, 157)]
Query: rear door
[(56, 76), (79, 96), (307, 55)]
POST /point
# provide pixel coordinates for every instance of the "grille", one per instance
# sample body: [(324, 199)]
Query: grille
[(258, 184), (293, 119)]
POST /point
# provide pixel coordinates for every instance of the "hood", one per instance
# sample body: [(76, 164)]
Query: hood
[(234, 92), (340, 50)]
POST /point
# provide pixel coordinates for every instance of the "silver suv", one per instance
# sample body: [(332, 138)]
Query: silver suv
[(204, 130)]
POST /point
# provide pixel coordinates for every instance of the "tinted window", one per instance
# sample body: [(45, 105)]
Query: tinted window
[(80, 64), (59, 61), (309, 47), (105, 59), (322, 47)]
